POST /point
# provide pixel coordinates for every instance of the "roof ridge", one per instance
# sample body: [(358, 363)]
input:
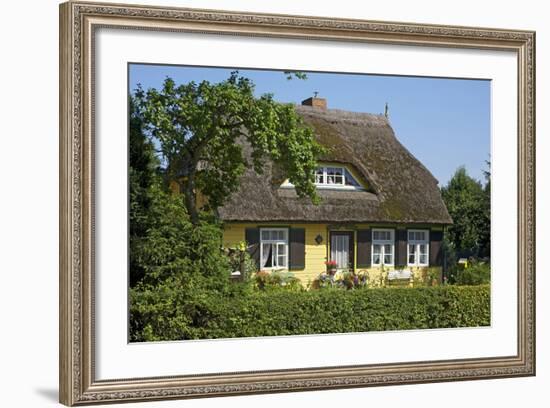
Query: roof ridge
[(342, 114)]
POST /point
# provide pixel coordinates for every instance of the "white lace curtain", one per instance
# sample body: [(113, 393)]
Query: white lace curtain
[(266, 252), (340, 251)]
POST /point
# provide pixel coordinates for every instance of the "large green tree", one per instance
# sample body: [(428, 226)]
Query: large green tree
[(199, 129), (175, 266), (162, 237), (468, 203)]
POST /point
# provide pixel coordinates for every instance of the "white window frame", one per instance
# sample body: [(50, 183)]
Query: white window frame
[(417, 243), (341, 185), (382, 243), (325, 177), (325, 185), (275, 258)]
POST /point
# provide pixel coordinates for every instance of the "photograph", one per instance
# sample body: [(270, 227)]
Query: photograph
[(286, 203)]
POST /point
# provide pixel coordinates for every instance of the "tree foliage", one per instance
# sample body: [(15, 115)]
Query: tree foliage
[(142, 174), (199, 129), (468, 203), (174, 264), (485, 239)]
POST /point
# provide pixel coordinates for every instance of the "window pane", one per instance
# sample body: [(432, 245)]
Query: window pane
[(423, 250), (319, 176), (388, 253), (281, 259), (418, 236), (281, 249), (376, 259), (349, 180), (267, 258), (376, 249), (412, 251), (382, 235), (265, 235), (334, 175), (330, 175)]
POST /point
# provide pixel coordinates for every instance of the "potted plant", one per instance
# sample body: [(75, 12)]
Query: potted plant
[(331, 267)]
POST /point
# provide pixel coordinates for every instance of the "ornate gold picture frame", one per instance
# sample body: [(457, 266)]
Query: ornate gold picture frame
[(79, 22)]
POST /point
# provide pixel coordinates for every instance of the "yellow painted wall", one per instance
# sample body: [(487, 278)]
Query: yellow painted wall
[(316, 254), (234, 233)]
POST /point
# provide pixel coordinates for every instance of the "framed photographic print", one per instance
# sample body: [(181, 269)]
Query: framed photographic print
[(256, 203)]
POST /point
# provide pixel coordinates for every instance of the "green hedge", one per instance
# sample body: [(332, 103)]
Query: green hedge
[(280, 312)]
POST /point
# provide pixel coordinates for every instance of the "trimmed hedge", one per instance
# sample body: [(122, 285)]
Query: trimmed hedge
[(280, 312)]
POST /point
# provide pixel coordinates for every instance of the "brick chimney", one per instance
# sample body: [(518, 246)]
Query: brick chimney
[(316, 102)]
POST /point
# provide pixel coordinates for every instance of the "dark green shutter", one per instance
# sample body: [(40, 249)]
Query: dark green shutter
[(364, 239), (297, 248), (436, 252), (401, 248), (252, 238)]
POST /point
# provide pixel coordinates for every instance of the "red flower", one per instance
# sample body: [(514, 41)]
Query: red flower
[(330, 263)]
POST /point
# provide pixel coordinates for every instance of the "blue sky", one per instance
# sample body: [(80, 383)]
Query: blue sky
[(445, 123)]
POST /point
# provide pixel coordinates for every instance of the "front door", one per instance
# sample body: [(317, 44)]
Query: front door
[(341, 249)]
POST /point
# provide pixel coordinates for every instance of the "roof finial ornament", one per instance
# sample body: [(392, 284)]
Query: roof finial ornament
[(387, 111), (315, 93)]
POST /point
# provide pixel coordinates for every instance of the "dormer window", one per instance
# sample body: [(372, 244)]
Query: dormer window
[(335, 177)]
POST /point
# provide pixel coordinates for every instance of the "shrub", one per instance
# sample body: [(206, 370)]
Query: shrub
[(239, 258), (265, 280), (182, 269), (477, 273), (338, 311), (245, 312)]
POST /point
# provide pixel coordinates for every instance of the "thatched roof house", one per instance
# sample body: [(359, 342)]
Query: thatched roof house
[(388, 186)]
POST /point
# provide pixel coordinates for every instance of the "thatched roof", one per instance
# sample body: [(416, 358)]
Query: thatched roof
[(400, 188)]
